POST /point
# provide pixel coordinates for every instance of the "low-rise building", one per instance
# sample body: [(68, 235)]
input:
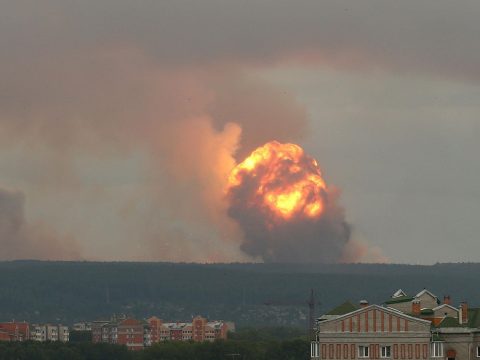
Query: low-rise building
[(404, 327)]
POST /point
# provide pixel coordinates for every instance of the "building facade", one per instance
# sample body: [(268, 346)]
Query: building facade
[(137, 335), (417, 327), (133, 333), (82, 326), (49, 332), (199, 330), (105, 331), (14, 331), (155, 329)]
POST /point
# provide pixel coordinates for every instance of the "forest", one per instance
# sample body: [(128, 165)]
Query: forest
[(248, 294), (295, 349)]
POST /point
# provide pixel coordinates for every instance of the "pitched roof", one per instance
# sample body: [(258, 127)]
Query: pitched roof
[(399, 299), (399, 293), (426, 311), (473, 320), (474, 317), (425, 291), (449, 322), (382, 308), (342, 309), (444, 305)]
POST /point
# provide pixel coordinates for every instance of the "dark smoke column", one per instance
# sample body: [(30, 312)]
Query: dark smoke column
[(280, 200)]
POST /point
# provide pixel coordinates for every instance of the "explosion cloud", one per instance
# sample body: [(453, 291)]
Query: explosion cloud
[(284, 207)]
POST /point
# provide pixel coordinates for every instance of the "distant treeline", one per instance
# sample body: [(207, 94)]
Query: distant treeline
[(296, 349), (249, 294)]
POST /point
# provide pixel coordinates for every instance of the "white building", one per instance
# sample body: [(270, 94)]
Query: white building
[(49, 332), (82, 326)]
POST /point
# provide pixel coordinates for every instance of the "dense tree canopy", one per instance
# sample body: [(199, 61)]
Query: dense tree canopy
[(296, 349)]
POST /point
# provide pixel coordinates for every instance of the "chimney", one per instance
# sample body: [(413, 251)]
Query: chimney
[(464, 312), (416, 307), (363, 303), (447, 300)]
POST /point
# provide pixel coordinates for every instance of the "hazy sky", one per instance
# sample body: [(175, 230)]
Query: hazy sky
[(120, 121)]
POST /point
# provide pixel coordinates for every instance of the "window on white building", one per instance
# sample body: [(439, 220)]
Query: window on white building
[(314, 350), (478, 351), (363, 351), (386, 352), (437, 349)]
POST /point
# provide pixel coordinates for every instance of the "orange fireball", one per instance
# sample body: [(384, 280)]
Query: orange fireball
[(282, 180)]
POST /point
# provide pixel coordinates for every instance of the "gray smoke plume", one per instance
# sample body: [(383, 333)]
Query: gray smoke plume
[(21, 240), (297, 239)]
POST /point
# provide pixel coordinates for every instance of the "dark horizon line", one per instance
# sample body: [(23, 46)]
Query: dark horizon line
[(232, 263)]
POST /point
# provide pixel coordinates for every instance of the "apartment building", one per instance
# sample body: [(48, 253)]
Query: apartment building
[(403, 327), (134, 334), (49, 332), (104, 331), (137, 335), (14, 331), (199, 330), (82, 326)]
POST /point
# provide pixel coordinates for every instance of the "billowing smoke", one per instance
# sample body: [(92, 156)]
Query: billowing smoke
[(284, 207), (21, 240), (154, 168), (104, 108)]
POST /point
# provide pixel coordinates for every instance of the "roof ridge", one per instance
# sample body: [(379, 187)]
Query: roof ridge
[(343, 308)]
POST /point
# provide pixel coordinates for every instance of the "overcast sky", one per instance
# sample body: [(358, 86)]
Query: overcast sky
[(120, 121)]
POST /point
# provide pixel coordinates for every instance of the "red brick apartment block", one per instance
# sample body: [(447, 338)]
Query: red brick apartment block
[(4, 336), (199, 330), (137, 335), (14, 331), (176, 332), (155, 328), (131, 334)]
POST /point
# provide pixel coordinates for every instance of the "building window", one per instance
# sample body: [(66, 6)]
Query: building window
[(437, 349), (386, 351), (478, 351), (363, 351)]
